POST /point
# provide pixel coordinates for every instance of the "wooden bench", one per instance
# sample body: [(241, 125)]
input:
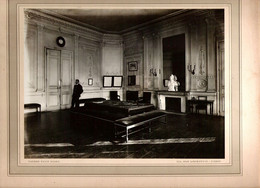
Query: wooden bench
[(137, 120), (33, 105)]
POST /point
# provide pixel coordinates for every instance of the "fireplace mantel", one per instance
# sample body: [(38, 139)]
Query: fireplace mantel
[(171, 94), (174, 93)]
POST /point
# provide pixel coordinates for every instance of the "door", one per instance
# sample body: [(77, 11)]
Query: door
[(58, 79), (221, 78)]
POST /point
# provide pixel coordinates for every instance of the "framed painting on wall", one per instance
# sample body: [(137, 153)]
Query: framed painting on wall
[(133, 66), (117, 81), (107, 81)]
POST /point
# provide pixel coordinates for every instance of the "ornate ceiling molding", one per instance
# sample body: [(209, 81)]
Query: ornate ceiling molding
[(191, 18), (51, 22)]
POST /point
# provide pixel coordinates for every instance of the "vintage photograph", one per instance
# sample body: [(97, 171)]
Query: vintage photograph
[(72, 110), (129, 94)]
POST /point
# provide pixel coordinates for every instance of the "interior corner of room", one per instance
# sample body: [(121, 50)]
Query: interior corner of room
[(112, 53)]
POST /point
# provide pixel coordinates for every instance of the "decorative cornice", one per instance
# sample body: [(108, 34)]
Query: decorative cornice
[(168, 20), (179, 20), (112, 37), (177, 13), (54, 14), (52, 21)]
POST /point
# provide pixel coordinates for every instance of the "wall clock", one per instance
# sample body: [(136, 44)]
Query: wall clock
[(60, 41)]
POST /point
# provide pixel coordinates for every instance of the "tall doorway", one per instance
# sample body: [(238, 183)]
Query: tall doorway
[(58, 79), (174, 58)]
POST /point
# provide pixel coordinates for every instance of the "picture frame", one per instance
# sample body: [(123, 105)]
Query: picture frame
[(90, 81), (107, 81), (131, 80), (117, 81), (132, 66)]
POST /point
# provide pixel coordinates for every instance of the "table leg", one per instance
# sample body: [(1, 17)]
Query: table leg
[(126, 135), (115, 129)]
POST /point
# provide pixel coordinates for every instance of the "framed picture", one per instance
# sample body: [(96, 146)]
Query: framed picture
[(107, 81), (117, 81), (131, 80), (90, 81), (133, 66)]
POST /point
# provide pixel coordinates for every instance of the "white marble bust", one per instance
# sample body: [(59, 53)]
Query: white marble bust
[(173, 84)]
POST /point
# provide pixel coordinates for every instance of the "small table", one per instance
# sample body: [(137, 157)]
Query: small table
[(202, 102)]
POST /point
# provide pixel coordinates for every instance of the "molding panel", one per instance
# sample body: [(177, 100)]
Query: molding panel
[(89, 64), (31, 59)]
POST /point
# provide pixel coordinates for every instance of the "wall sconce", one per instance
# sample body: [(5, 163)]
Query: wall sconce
[(153, 72), (192, 71)]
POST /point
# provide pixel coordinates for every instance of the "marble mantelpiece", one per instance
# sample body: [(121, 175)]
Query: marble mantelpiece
[(162, 95)]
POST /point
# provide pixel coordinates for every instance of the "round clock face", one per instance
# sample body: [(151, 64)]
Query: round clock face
[(60, 41)]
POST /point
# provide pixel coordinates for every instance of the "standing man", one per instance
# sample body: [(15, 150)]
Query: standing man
[(77, 90)]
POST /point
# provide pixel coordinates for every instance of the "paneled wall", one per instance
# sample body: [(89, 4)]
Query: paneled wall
[(202, 30), (112, 56), (200, 42), (94, 55), (133, 52)]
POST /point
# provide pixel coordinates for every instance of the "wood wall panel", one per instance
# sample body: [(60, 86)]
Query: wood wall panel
[(89, 66), (30, 59), (112, 60), (96, 54)]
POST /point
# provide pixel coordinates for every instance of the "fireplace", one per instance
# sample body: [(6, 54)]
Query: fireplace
[(173, 104), (177, 101)]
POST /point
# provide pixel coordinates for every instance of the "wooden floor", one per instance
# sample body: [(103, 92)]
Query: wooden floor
[(57, 135)]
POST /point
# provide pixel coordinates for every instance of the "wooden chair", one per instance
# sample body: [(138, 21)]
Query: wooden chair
[(146, 98), (191, 105), (114, 96), (132, 96), (202, 106)]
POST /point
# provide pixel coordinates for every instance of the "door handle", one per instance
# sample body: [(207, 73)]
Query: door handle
[(59, 84)]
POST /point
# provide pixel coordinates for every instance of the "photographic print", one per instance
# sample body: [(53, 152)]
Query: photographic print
[(204, 119), (188, 125)]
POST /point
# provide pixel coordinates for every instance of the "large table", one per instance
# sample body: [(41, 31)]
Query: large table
[(127, 115), (112, 110)]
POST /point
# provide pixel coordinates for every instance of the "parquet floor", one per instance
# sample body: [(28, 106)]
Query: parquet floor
[(57, 135)]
